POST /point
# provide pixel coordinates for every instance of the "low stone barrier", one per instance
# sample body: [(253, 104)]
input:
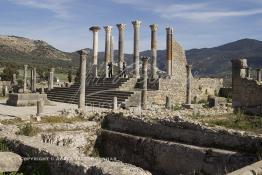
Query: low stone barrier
[(27, 99)]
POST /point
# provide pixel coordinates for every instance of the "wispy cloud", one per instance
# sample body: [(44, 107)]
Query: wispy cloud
[(58, 7), (200, 12)]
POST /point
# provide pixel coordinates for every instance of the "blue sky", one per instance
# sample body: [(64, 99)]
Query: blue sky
[(197, 23)]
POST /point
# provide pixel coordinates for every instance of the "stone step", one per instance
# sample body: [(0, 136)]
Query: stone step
[(119, 98)]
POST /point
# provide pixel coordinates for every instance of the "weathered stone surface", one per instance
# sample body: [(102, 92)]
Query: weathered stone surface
[(17, 99), (169, 158), (9, 162), (68, 161), (253, 169)]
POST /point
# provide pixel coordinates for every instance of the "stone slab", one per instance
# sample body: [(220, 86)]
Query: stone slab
[(27, 99), (10, 162)]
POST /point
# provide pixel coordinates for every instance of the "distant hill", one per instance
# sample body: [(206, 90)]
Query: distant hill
[(216, 61), (206, 61)]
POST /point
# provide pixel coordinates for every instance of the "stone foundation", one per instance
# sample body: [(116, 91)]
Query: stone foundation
[(21, 99)]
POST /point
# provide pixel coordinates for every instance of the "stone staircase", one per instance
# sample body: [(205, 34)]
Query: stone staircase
[(99, 93)]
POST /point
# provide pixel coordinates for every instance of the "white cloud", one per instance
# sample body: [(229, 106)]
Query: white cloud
[(58, 7)]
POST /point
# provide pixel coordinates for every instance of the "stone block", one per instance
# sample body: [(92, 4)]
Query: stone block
[(10, 162), (17, 99)]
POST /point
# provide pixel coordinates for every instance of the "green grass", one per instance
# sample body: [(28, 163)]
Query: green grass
[(11, 121), (61, 119), (238, 121), (28, 130), (3, 146)]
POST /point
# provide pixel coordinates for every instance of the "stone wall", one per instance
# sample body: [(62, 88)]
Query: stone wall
[(169, 158), (246, 92), (202, 87), (187, 132)]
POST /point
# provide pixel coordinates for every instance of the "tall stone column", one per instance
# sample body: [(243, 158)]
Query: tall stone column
[(83, 58), (51, 79), (188, 87), (136, 25), (95, 30), (154, 28), (34, 80), (248, 70), (14, 80), (169, 49), (121, 59), (25, 78), (258, 74), (108, 30), (112, 52), (144, 90)]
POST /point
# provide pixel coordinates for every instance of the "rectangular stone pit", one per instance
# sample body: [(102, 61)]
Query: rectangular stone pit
[(20, 99)]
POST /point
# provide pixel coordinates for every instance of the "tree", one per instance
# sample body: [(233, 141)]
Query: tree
[(69, 76), (8, 72)]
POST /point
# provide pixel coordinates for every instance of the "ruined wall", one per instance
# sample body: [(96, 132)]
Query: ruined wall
[(246, 92), (202, 87)]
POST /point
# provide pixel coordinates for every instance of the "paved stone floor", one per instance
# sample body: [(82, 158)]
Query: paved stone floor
[(10, 112)]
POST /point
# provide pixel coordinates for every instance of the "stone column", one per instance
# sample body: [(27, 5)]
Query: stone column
[(258, 74), (114, 104), (108, 30), (168, 102), (34, 80), (188, 88), (248, 70), (121, 59), (40, 107), (154, 28), (144, 90), (25, 78), (95, 30), (112, 52), (169, 49), (51, 79), (14, 80), (136, 25), (83, 57)]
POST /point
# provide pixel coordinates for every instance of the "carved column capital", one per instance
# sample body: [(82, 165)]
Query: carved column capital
[(121, 26), (136, 23), (94, 28), (154, 27)]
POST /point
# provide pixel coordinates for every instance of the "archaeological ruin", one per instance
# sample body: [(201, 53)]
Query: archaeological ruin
[(130, 119)]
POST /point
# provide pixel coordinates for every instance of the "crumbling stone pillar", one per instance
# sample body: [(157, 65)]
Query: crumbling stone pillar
[(169, 49), (188, 87), (258, 74), (5, 91), (25, 78), (121, 29), (51, 79), (108, 30), (154, 50), (14, 80), (114, 104), (144, 90), (168, 102), (83, 57), (136, 25), (95, 30), (40, 107), (33, 80)]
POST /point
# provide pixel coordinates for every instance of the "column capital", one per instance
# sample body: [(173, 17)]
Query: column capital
[(136, 23), (108, 28), (83, 52), (144, 59), (94, 28), (189, 66), (25, 66), (121, 26), (169, 30), (154, 27)]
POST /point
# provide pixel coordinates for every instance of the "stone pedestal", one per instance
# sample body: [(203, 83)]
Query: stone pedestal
[(83, 57), (95, 30), (40, 107), (144, 90), (114, 104), (121, 28), (153, 51), (136, 25)]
